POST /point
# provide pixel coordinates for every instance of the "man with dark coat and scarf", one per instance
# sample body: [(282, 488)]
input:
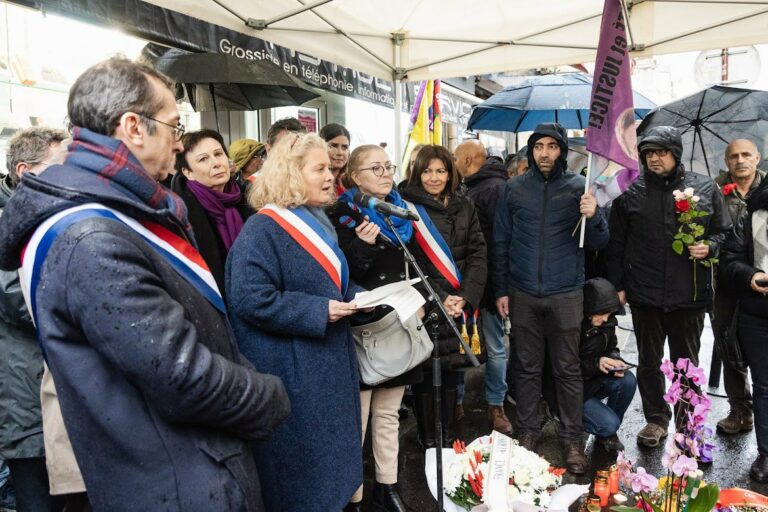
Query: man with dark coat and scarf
[(538, 275), (667, 295), (131, 324)]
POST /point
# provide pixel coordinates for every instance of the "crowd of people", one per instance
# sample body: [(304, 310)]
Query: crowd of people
[(178, 320)]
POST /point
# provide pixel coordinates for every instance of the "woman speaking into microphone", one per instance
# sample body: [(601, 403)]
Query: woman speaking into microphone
[(453, 255), (376, 259)]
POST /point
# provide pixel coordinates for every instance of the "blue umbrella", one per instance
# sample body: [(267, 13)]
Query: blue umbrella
[(543, 99)]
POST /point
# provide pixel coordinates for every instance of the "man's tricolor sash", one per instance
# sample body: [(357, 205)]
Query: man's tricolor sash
[(432, 243), (310, 235), (179, 253)]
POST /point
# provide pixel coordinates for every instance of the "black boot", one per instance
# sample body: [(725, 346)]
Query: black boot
[(386, 498), (423, 408), (448, 406), (354, 507)]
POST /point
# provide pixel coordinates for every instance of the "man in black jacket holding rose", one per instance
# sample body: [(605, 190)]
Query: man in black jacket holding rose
[(668, 292)]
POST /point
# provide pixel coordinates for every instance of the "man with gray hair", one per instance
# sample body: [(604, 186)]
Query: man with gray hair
[(158, 403), (21, 367), (737, 183)]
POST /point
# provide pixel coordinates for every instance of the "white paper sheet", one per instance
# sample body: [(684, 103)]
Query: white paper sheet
[(400, 296)]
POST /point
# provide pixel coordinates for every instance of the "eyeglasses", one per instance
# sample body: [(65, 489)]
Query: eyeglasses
[(378, 170), (178, 130), (656, 152)]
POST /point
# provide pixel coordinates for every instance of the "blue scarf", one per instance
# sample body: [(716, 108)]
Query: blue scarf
[(111, 161), (404, 227)]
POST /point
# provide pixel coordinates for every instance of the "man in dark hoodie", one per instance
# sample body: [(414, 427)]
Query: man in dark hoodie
[(668, 299), (485, 178), (538, 276), (158, 403)]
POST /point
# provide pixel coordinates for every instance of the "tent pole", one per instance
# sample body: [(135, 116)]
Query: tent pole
[(397, 77)]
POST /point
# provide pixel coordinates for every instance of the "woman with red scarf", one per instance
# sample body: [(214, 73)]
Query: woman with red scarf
[(215, 203)]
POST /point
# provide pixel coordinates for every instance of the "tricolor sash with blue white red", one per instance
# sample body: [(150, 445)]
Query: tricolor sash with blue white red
[(310, 235), (432, 243), (179, 253)]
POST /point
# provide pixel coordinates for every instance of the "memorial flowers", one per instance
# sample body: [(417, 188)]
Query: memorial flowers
[(690, 232), (682, 489), (531, 478)]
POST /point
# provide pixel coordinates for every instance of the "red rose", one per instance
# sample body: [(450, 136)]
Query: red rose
[(682, 206), (729, 188)]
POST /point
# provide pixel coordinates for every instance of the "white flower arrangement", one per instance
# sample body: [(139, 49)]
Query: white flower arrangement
[(531, 479)]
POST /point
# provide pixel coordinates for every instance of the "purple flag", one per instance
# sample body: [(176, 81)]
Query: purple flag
[(612, 132)]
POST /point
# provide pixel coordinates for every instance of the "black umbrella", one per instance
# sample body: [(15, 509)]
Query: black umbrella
[(218, 81), (709, 120)]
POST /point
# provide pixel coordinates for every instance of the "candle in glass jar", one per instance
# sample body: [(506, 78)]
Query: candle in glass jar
[(601, 490), (613, 479)]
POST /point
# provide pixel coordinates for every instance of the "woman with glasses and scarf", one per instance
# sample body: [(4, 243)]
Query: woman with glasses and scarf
[(215, 202), (376, 259), (450, 230)]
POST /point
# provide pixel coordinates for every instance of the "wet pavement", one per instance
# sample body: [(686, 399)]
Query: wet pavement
[(729, 469)]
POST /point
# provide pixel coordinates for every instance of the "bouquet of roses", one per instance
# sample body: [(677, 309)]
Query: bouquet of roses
[(690, 232), (531, 478)]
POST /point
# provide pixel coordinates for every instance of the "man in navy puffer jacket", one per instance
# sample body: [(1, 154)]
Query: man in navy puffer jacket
[(539, 275)]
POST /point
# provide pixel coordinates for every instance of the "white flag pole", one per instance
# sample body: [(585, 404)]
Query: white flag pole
[(586, 189)]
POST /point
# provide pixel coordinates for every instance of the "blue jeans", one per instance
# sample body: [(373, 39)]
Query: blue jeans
[(604, 420), (496, 365)]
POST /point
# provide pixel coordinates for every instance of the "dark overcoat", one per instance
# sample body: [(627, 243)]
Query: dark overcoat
[(154, 397), (278, 300)]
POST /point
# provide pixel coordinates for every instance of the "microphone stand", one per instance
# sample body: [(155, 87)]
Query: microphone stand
[(436, 367)]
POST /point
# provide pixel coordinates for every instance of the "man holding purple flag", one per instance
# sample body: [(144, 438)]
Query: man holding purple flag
[(611, 136), (538, 277)]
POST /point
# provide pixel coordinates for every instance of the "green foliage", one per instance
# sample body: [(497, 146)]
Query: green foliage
[(705, 500), (464, 496), (678, 246)]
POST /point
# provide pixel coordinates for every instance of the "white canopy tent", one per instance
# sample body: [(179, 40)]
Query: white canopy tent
[(446, 38), (424, 39)]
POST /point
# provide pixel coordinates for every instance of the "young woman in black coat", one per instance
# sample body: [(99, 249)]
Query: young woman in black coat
[(215, 203), (433, 187), (375, 259)]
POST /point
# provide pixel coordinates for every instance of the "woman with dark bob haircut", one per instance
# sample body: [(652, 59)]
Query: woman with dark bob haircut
[(338, 139), (215, 202), (450, 229)]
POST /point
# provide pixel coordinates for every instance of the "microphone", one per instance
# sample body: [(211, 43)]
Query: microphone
[(383, 207), (355, 218)]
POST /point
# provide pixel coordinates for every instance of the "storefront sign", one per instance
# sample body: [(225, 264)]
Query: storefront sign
[(174, 29)]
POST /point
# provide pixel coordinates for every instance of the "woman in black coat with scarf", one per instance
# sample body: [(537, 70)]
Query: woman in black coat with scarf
[(433, 190), (216, 205), (376, 259)]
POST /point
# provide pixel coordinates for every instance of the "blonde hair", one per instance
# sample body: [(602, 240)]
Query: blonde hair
[(356, 160), (280, 180)]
